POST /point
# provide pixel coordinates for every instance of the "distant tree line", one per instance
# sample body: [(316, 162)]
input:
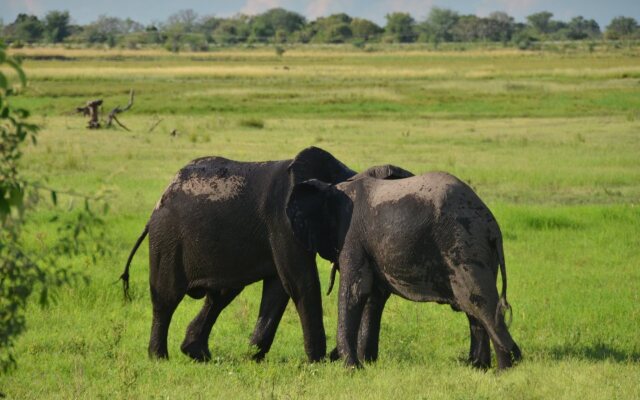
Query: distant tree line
[(186, 29)]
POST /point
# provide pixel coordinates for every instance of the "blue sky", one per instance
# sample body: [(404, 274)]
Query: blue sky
[(84, 11)]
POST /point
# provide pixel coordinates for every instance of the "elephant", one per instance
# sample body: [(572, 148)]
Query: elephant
[(221, 225), (426, 238)]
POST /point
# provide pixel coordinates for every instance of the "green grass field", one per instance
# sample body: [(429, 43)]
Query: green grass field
[(550, 141)]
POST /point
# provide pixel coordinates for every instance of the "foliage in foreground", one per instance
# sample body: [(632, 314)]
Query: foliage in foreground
[(25, 267)]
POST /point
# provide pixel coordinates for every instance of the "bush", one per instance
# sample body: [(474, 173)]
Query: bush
[(24, 270)]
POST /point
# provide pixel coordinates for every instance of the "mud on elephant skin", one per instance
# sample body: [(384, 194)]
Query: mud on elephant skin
[(221, 225), (424, 238)]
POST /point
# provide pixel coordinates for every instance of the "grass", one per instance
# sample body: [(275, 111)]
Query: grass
[(545, 138)]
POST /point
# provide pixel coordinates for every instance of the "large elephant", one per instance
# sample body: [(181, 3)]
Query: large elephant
[(221, 225), (425, 238)]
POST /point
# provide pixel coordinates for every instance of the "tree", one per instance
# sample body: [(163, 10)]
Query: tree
[(335, 28), (103, 29), (440, 23), (232, 30), (56, 26), (183, 21), (23, 269), (400, 27), (364, 29), (264, 26), (26, 28), (622, 28), (467, 29), (580, 28), (541, 21), (336, 33), (500, 26), (497, 27), (207, 25)]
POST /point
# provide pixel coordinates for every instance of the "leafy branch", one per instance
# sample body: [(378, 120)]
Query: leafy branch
[(25, 269)]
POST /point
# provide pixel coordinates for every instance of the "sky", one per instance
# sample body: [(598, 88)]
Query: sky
[(146, 12)]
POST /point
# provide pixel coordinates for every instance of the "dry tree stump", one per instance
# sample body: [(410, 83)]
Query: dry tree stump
[(92, 110)]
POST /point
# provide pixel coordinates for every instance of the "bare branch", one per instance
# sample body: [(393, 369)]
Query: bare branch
[(118, 110), (121, 124), (155, 125)]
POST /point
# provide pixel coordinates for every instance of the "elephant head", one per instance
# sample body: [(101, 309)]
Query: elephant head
[(320, 214), (315, 163), (386, 171), (315, 210)]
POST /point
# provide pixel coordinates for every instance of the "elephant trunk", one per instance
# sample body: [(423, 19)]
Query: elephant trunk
[(125, 274)]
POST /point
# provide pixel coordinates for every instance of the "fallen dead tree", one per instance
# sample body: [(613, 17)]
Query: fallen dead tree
[(92, 110)]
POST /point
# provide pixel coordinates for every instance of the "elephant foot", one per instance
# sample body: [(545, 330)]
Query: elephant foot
[(196, 350), (480, 358), (479, 364), (259, 356), (508, 359), (158, 354), (353, 364), (157, 350), (334, 355), (516, 354)]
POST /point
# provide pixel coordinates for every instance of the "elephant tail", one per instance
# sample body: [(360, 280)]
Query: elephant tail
[(503, 305), (125, 274), (332, 279)]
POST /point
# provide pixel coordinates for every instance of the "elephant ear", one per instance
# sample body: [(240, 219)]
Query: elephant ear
[(307, 214), (315, 163), (387, 171)]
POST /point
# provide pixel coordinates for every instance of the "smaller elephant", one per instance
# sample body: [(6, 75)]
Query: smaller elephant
[(424, 238)]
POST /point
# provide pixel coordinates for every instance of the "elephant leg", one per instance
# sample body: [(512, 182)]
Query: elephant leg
[(167, 290), (480, 351), (369, 333), (507, 351), (483, 308), (162, 313), (356, 280), (274, 302), (299, 276), (196, 340)]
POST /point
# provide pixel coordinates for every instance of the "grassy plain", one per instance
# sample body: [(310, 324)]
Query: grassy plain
[(550, 141)]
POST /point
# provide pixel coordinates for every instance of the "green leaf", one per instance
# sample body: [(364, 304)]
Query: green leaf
[(13, 64), (3, 81), (16, 195), (4, 208)]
